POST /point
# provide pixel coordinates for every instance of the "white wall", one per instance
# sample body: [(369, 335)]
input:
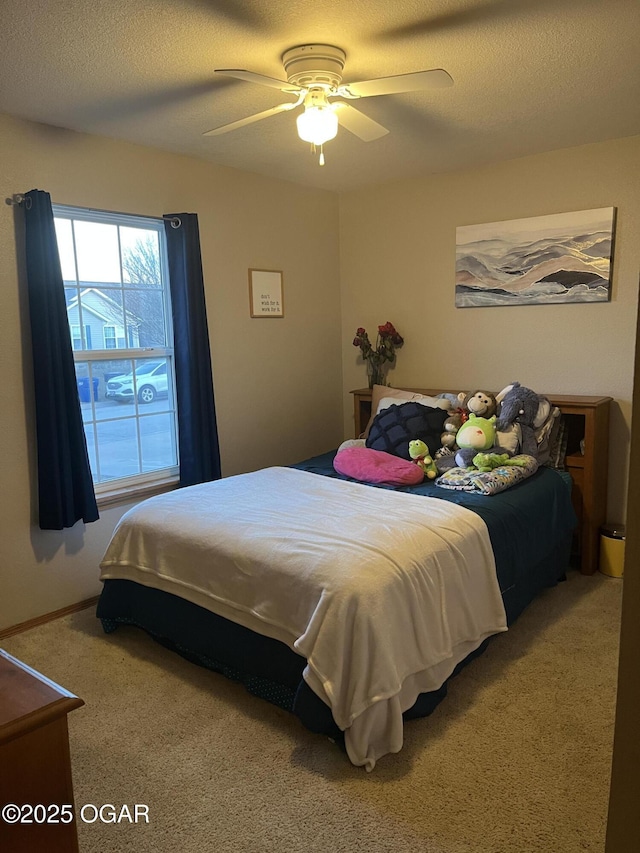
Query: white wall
[(277, 381), (397, 244)]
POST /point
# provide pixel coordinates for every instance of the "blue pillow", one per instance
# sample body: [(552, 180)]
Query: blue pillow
[(394, 427)]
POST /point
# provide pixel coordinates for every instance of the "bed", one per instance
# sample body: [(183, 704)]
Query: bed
[(349, 605)]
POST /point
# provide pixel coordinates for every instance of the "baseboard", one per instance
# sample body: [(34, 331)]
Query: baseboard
[(47, 617)]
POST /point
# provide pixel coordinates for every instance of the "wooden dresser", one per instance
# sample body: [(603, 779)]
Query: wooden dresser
[(587, 420), (34, 761)]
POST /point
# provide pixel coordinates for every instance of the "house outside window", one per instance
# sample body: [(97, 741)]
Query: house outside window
[(114, 269)]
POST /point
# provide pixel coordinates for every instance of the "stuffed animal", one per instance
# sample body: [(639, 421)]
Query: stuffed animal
[(454, 400), (450, 428), (488, 461), (476, 434), (445, 458), (522, 406), (419, 453), (480, 403)]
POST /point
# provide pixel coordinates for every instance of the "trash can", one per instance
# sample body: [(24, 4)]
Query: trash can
[(83, 389), (612, 537)]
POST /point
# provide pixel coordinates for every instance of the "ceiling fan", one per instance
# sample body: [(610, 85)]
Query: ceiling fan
[(314, 77)]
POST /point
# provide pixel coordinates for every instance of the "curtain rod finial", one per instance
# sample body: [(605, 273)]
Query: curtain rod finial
[(17, 198)]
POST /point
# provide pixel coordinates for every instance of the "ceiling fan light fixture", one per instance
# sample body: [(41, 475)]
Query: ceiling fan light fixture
[(317, 125), (319, 121)]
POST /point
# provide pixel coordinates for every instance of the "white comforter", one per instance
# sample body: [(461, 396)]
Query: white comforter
[(382, 592)]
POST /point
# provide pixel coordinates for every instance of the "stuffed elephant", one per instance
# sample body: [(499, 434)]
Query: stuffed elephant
[(520, 406)]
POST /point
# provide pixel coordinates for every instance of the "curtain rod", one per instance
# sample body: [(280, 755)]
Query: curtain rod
[(17, 198)]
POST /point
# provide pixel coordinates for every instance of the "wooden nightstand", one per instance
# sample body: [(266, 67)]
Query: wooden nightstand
[(34, 757)]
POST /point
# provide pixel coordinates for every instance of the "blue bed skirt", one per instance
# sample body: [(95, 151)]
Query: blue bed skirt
[(530, 526)]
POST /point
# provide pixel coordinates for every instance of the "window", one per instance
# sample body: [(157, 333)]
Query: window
[(76, 337), (109, 333), (117, 295)]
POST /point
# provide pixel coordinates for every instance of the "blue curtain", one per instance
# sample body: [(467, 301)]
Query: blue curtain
[(65, 485), (197, 428)]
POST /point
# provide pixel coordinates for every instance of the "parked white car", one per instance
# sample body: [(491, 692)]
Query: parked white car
[(150, 382)]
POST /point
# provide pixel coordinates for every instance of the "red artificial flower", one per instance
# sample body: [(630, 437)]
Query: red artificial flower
[(387, 341)]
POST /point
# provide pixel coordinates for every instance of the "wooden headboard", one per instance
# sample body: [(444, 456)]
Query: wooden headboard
[(587, 420)]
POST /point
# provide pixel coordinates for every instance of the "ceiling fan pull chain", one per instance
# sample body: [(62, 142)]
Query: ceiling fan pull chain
[(314, 150)]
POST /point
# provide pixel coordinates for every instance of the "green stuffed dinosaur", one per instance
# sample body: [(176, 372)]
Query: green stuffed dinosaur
[(419, 453), (488, 461)]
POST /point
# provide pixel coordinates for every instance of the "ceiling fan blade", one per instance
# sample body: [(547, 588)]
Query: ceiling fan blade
[(238, 11), (252, 77), (469, 16), (234, 125), (358, 123), (437, 78)]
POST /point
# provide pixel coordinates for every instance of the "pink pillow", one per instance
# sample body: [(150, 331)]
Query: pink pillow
[(376, 466)]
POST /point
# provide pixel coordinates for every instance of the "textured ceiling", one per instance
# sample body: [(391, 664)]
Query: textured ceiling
[(529, 76)]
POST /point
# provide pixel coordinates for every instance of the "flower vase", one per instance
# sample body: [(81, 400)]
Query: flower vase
[(375, 374)]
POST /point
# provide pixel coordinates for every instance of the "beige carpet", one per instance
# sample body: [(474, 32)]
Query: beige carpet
[(515, 760)]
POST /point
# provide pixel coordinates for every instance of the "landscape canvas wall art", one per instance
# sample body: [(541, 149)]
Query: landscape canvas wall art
[(563, 257)]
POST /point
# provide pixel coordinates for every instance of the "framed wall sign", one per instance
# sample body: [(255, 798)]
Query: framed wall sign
[(265, 293)]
